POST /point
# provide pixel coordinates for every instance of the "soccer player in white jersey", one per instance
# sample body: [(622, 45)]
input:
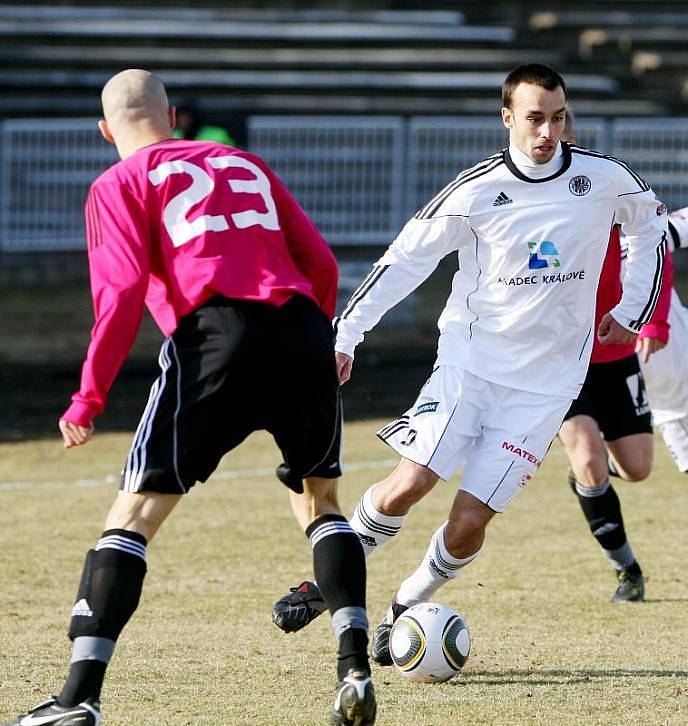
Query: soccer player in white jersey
[(666, 372), (530, 225)]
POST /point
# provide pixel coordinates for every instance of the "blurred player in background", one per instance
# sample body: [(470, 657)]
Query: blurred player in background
[(190, 124), (666, 372), (241, 282), (530, 225), (609, 426)]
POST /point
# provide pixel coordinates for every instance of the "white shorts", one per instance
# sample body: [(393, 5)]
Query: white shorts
[(500, 434), (675, 435)]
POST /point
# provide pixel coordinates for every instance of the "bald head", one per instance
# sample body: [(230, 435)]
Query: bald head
[(134, 95), (136, 109)]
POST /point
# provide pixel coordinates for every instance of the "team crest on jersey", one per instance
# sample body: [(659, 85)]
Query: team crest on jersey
[(661, 209), (580, 185), (542, 254)]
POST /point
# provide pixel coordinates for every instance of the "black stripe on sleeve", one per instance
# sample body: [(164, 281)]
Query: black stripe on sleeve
[(675, 238), (649, 308), (374, 275), (644, 186), (475, 172)]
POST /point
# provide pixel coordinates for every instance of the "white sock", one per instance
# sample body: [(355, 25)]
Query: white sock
[(373, 528), (437, 568)]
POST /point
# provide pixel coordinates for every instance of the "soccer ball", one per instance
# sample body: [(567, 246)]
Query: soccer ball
[(429, 643)]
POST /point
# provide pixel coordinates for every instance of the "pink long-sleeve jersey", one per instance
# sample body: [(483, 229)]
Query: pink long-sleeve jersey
[(609, 293), (177, 223)]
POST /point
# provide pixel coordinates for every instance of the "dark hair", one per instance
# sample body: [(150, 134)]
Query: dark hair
[(537, 74)]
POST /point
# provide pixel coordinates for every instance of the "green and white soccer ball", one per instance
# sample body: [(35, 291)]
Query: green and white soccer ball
[(429, 643)]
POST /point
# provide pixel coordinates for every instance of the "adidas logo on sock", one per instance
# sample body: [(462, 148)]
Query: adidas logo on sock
[(81, 609), (501, 200)]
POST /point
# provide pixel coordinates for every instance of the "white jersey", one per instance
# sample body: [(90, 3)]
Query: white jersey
[(522, 305), (666, 372)]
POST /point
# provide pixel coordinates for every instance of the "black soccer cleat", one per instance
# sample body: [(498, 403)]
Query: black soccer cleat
[(631, 586), (303, 605), (50, 713), (354, 704), (380, 648)]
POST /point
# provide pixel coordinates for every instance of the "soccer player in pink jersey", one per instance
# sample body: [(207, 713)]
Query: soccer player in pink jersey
[(243, 286)]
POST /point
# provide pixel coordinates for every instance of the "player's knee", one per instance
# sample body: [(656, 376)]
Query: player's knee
[(464, 535), (592, 471), (637, 470), (403, 488)]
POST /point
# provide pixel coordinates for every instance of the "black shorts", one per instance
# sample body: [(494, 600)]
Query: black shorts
[(233, 367), (614, 395)]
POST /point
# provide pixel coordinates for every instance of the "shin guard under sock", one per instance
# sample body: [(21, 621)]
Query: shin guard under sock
[(108, 595), (602, 510), (339, 567)]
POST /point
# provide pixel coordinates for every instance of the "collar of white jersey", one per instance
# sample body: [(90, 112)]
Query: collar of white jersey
[(524, 168)]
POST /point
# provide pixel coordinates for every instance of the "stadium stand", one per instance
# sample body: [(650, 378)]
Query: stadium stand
[(362, 57)]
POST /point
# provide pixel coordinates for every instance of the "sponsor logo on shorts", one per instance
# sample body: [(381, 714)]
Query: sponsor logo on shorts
[(636, 387), (525, 479), (518, 451), (429, 407)]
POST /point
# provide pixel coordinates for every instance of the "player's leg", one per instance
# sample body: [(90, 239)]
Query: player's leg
[(176, 444), (675, 435), (517, 428), (108, 595), (598, 499), (376, 524), (339, 569), (632, 456), (381, 511), (110, 589), (306, 421)]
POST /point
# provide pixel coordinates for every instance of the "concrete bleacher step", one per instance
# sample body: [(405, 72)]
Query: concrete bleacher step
[(298, 58)]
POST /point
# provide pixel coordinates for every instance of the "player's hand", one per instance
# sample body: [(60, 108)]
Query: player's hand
[(645, 347), (344, 364), (75, 435), (609, 331)]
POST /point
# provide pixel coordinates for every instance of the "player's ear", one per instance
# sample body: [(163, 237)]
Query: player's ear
[(172, 117), (507, 118), (105, 131)]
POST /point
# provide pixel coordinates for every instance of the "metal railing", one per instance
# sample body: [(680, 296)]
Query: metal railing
[(359, 177)]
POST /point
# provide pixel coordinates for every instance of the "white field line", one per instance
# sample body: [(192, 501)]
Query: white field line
[(6, 486)]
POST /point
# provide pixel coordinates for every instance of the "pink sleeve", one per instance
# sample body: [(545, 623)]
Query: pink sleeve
[(118, 257), (658, 327), (311, 254)]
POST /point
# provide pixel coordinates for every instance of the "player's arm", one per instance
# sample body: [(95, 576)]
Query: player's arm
[(409, 260), (119, 264), (311, 254), (678, 229), (655, 335), (643, 222)]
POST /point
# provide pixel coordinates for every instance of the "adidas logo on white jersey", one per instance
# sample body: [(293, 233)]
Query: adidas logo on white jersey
[(82, 609), (501, 200)]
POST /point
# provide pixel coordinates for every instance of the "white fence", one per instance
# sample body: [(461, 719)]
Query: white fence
[(359, 177)]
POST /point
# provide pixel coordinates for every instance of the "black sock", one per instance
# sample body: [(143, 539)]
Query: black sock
[(340, 571), (108, 595), (85, 680), (353, 647), (602, 510)]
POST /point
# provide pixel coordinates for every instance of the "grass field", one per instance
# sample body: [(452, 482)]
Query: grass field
[(548, 646)]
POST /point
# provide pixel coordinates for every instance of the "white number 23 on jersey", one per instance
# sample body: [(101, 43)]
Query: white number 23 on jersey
[(181, 230)]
